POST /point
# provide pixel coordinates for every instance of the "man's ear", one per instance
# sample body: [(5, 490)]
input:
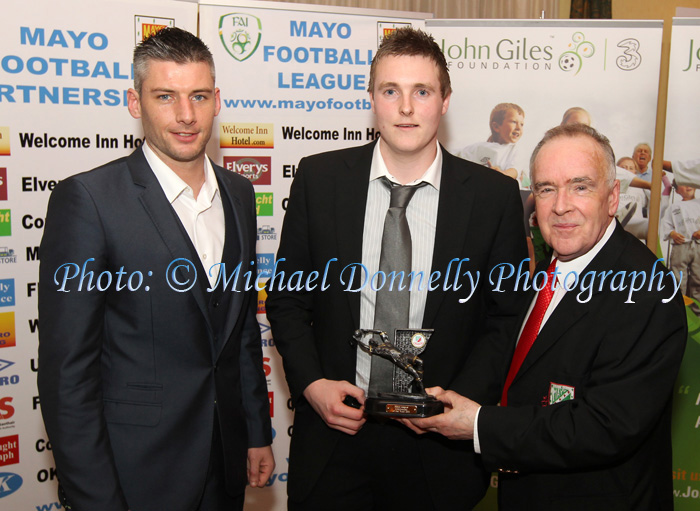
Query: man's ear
[(133, 101)]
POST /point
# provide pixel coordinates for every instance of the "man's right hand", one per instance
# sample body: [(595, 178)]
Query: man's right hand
[(326, 397)]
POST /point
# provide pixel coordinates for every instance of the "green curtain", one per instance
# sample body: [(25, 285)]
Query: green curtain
[(592, 9)]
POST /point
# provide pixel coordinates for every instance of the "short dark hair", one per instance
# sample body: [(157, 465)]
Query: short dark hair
[(580, 130), (408, 41), (170, 44)]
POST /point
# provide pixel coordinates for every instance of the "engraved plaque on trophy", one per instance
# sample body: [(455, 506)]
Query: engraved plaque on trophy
[(407, 397)]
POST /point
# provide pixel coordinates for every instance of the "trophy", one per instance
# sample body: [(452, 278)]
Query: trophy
[(408, 397)]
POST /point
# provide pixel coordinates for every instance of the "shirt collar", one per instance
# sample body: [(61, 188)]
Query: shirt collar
[(173, 186), (431, 176), (581, 262)]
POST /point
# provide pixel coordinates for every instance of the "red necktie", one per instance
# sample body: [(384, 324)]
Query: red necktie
[(530, 330)]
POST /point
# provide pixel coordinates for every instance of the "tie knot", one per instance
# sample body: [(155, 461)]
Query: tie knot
[(401, 195)]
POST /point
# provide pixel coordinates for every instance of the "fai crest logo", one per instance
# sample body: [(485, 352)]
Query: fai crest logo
[(240, 34), (579, 49)]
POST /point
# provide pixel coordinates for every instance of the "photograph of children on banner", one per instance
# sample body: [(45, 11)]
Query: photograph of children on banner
[(679, 225), (512, 139)]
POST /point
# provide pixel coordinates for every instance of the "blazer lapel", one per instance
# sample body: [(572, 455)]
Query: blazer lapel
[(236, 247), (569, 311), (454, 211), (351, 185), (166, 222)]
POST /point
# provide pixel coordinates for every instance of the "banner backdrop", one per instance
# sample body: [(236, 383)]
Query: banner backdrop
[(608, 71), (293, 82), (681, 213), (64, 71)]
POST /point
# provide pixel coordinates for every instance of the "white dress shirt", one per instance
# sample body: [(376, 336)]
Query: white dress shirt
[(421, 214), (202, 218)]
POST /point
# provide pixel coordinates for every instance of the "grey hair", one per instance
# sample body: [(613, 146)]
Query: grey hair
[(640, 145), (580, 130)]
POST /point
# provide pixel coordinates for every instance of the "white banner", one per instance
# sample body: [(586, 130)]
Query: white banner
[(64, 72), (608, 71)]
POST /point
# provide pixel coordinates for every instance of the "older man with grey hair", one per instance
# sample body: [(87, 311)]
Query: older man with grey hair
[(585, 415)]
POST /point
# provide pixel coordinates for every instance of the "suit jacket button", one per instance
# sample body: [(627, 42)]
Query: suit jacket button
[(216, 304)]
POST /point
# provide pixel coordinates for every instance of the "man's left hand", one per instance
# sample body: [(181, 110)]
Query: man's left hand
[(456, 423), (261, 463)]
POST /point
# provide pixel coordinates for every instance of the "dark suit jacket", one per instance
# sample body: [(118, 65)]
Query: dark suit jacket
[(480, 218), (609, 447), (130, 380)]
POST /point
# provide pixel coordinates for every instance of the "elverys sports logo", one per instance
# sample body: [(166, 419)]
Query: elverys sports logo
[(240, 34)]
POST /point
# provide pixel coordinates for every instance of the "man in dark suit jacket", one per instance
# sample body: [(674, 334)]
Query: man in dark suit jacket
[(339, 459), (151, 379), (585, 421)]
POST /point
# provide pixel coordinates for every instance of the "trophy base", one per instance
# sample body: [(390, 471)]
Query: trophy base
[(389, 404)]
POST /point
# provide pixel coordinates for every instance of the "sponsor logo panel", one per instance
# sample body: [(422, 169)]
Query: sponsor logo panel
[(3, 183), (146, 26), (7, 329), (263, 203), (262, 296), (4, 141), (9, 483), (266, 232), (5, 222), (246, 134), (7, 294), (266, 263), (257, 169), (9, 450)]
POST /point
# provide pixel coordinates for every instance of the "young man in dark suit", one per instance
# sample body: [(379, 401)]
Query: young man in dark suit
[(151, 379), (585, 415), (463, 219)]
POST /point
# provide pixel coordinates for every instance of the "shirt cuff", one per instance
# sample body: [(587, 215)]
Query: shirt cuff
[(477, 445)]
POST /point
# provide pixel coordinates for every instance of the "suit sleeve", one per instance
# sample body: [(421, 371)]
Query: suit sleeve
[(629, 385), (253, 382), (291, 311), (71, 319), (482, 377)]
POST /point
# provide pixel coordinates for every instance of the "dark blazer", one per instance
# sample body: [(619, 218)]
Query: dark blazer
[(480, 218), (610, 446), (130, 380)]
